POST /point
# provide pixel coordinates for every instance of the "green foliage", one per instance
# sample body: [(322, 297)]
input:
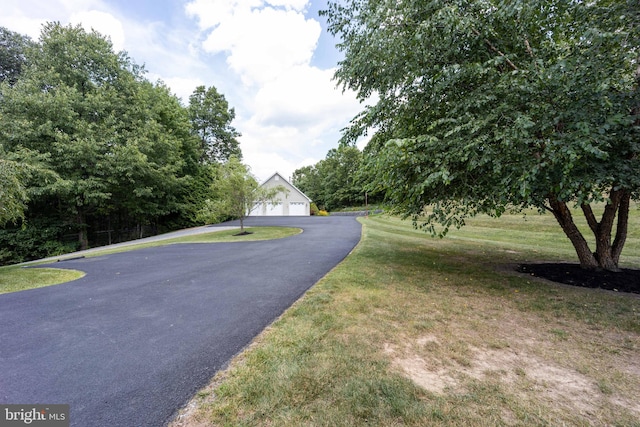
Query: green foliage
[(13, 195), (308, 181), (487, 105), (196, 193), (13, 56), (337, 181), (36, 239), (121, 148), (17, 170), (313, 209), (236, 193), (211, 119)]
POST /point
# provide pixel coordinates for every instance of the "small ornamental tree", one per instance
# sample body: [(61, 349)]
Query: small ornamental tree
[(237, 193), (487, 105)]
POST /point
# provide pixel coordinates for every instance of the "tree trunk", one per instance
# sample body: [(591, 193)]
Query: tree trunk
[(607, 255), (621, 228), (562, 213), (83, 238)]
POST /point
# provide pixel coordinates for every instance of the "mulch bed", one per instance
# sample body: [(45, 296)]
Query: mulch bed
[(628, 280), (244, 233)]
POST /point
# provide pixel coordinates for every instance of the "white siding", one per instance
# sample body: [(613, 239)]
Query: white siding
[(293, 202)]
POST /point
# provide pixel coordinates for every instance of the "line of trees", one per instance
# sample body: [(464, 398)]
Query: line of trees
[(91, 152), (341, 180)]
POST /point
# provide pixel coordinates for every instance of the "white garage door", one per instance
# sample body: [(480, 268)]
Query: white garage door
[(297, 208), (274, 209)]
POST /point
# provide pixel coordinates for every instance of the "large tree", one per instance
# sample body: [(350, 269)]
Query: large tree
[(308, 180), (211, 120), (118, 143), (486, 105)]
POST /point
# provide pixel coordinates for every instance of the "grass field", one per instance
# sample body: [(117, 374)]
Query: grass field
[(413, 330)]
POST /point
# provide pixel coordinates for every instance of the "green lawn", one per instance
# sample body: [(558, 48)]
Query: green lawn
[(13, 278), (257, 233), (413, 330)]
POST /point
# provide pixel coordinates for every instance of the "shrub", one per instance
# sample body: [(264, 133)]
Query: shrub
[(313, 208), (35, 239), (323, 213)]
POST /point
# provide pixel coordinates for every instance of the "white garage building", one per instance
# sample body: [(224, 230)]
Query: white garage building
[(295, 203)]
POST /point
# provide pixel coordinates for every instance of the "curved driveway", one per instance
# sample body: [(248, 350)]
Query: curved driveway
[(133, 340)]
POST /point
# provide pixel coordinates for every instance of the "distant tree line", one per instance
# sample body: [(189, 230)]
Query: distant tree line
[(340, 180), (91, 152)]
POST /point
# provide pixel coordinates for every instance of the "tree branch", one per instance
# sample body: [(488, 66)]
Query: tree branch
[(496, 50), (591, 218), (529, 50), (563, 214), (621, 228)]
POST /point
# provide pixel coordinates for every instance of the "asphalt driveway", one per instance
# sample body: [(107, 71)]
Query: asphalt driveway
[(133, 340)]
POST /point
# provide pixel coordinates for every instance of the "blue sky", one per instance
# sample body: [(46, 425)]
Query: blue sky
[(272, 59)]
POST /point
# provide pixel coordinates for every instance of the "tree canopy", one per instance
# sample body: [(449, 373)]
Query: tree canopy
[(13, 58), (486, 105), (211, 121), (337, 181), (88, 144)]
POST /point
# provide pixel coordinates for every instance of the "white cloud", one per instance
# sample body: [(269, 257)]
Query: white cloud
[(298, 126), (182, 87), (293, 113), (27, 17), (260, 43), (298, 5), (303, 96), (257, 53), (211, 13), (266, 164), (102, 22), (273, 149)]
